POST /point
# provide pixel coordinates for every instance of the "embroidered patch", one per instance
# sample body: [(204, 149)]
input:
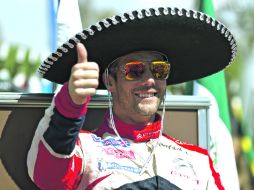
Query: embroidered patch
[(111, 141), (184, 172), (115, 166), (119, 153)]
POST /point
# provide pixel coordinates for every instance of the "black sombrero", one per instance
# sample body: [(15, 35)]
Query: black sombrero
[(196, 44)]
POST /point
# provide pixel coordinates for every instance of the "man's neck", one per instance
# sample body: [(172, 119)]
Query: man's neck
[(136, 132), (140, 120)]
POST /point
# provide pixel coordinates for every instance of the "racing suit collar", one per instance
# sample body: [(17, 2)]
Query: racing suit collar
[(136, 133)]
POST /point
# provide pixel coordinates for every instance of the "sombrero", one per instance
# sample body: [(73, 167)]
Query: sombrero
[(196, 44)]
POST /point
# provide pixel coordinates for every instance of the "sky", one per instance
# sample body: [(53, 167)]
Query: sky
[(24, 23), (133, 4)]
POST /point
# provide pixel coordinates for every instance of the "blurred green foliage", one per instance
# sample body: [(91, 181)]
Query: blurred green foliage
[(239, 16), (29, 67), (14, 65), (11, 63)]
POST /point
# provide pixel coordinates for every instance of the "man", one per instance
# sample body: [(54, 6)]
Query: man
[(146, 50)]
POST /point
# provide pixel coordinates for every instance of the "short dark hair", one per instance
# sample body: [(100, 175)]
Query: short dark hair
[(112, 69)]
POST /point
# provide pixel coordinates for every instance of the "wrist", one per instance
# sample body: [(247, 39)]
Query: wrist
[(67, 107)]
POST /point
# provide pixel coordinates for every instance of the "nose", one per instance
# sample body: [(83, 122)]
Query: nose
[(148, 79)]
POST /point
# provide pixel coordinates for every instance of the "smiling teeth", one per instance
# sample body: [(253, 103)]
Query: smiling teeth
[(146, 95)]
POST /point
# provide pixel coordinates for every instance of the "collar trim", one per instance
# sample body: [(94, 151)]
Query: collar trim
[(137, 133)]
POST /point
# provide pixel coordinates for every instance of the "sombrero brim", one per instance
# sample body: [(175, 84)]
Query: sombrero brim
[(195, 44)]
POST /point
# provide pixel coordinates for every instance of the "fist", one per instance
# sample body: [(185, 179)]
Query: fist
[(84, 78)]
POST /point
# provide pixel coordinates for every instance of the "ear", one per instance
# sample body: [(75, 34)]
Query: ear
[(107, 80)]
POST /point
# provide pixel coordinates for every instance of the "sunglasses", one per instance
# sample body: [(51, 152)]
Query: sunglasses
[(136, 69)]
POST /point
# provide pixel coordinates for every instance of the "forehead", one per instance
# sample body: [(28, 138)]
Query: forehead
[(141, 56)]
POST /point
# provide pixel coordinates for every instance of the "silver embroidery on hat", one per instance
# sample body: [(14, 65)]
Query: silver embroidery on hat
[(49, 62), (180, 13), (226, 33), (106, 23), (213, 22), (218, 26), (208, 20), (131, 16), (41, 72), (157, 12), (232, 42), (223, 30), (65, 50), (114, 21), (201, 17), (139, 15), (98, 26), (70, 45), (195, 15), (148, 13), (45, 65), (43, 68), (59, 54), (234, 54), (90, 31), (230, 37), (233, 46), (172, 12), (82, 35), (234, 50), (76, 40), (165, 11), (52, 57), (123, 18), (187, 13)]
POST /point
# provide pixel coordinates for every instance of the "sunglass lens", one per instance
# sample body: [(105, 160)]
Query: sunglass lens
[(134, 70), (160, 69)]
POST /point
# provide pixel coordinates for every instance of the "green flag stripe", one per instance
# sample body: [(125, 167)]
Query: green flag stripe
[(217, 86), (216, 83), (206, 6)]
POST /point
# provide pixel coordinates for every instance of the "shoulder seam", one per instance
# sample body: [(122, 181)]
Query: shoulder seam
[(188, 146)]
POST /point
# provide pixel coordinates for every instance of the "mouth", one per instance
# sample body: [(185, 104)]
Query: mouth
[(144, 95)]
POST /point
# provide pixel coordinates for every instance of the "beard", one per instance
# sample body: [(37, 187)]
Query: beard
[(132, 105), (148, 107)]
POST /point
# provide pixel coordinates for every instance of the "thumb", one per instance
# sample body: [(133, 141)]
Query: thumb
[(82, 53)]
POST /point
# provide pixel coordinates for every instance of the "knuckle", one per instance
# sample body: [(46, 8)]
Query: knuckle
[(93, 83), (75, 75), (77, 91), (75, 67), (96, 83), (94, 74), (94, 65), (76, 83), (92, 91)]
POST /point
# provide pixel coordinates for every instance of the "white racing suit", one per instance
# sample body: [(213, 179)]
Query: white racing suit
[(64, 157)]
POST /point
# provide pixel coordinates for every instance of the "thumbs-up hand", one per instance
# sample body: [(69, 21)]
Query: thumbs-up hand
[(84, 78)]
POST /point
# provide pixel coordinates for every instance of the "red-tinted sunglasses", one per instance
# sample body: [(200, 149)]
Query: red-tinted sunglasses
[(134, 70)]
